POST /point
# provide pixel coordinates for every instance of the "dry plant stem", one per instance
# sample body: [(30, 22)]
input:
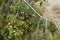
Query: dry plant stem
[(38, 29), (38, 23), (46, 21), (29, 5)]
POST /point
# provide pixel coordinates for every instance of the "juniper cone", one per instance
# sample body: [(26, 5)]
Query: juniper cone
[(52, 11)]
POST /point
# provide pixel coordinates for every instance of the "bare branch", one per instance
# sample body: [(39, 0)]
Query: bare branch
[(29, 5)]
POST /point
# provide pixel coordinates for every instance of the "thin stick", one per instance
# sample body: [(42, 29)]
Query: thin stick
[(29, 5)]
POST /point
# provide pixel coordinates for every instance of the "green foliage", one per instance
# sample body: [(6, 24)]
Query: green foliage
[(24, 25)]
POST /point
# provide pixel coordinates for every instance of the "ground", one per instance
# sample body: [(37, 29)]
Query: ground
[(52, 11)]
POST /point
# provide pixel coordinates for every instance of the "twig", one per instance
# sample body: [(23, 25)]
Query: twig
[(29, 5)]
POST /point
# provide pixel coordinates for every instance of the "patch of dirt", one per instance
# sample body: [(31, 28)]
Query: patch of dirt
[(52, 12)]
